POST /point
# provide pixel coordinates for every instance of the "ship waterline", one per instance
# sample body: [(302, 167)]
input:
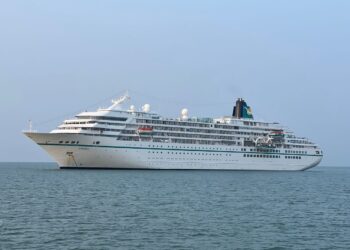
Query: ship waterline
[(116, 138)]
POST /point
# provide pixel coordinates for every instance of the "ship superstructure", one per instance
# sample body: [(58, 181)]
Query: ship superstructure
[(117, 138)]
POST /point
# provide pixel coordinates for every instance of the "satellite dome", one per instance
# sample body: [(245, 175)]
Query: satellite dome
[(132, 108), (146, 108), (184, 113)]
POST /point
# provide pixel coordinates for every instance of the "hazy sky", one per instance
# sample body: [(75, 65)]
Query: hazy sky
[(290, 60)]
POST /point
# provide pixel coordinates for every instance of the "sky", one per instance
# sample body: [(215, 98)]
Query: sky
[(290, 60)]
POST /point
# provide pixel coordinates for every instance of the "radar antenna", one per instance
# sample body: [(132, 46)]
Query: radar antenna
[(117, 102)]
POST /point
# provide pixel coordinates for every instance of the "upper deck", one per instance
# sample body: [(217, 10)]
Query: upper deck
[(239, 129)]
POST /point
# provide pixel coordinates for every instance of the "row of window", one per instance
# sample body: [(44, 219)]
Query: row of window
[(76, 142), (169, 122), (186, 153), (299, 141), (179, 147), (187, 135), (194, 162), (295, 152), (101, 129), (220, 129), (265, 150), (292, 157), (68, 128), (203, 131), (178, 140), (195, 132), (255, 123), (205, 125), (111, 118), (261, 156), (94, 122), (69, 142)]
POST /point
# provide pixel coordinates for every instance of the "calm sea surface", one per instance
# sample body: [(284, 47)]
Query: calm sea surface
[(42, 207)]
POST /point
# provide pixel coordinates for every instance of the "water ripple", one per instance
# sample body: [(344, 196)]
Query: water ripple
[(45, 208)]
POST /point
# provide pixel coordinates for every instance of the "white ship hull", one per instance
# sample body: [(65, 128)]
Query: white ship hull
[(116, 154)]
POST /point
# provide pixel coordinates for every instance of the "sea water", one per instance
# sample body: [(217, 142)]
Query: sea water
[(43, 207)]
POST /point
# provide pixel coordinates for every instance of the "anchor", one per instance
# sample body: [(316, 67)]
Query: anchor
[(71, 156)]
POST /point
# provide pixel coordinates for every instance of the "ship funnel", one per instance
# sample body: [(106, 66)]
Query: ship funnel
[(242, 110)]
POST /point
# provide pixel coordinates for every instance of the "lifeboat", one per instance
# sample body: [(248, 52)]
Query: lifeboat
[(277, 134), (145, 130)]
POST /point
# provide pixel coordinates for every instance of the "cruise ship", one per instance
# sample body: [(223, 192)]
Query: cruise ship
[(128, 138)]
